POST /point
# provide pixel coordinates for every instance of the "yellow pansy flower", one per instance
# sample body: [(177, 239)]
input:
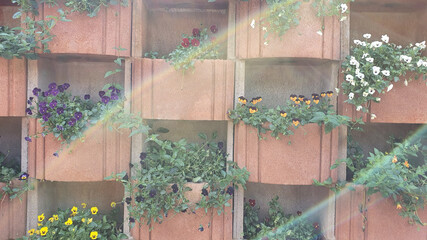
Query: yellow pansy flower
[(89, 220), (84, 205), (31, 232), (83, 219), (55, 217), (74, 209), (43, 231), (94, 235), (69, 222), (40, 217), (113, 204), (51, 219), (94, 210)]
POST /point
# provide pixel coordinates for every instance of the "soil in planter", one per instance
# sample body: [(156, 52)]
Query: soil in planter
[(168, 20)]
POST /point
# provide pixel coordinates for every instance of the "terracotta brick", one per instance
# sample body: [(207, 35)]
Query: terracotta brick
[(161, 92), (102, 153), (13, 87), (13, 215), (98, 35), (301, 41), (291, 160)]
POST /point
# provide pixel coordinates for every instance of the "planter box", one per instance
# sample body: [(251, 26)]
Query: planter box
[(382, 219), (13, 87), (98, 35), (309, 155), (161, 92), (13, 215), (102, 153), (301, 41), (394, 106)]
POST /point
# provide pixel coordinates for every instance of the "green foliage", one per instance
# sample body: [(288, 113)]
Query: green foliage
[(151, 54), (296, 112), (280, 17), (76, 223), (372, 67), (158, 184), (194, 47), (277, 225), (10, 170), (331, 7)]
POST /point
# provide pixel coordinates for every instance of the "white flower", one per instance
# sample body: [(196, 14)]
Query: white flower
[(373, 116), (344, 7), (420, 63), (399, 47), (369, 59), (378, 99), (405, 58), (385, 38), (343, 18), (352, 82), (389, 87), (360, 75), (367, 35), (354, 62), (421, 44), (371, 90), (376, 44), (357, 71), (385, 73), (376, 70), (357, 42), (365, 55), (349, 77), (337, 90), (264, 29), (365, 84), (425, 64), (359, 108), (319, 32), (265, 43), (351, 96), (405, 82), (365, 94), (253, 23), (363, 44)]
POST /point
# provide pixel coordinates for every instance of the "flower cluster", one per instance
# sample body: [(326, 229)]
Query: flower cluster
[(372, 67), (67, 116), (159, 186), (196, 46), (76, 223), (299, 110), (277, 225)]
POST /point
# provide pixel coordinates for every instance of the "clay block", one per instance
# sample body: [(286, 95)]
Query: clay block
[(102, 153), (13, 215), (13, 87), (291, 160), (110, 28), (302, 41), (161, 92)]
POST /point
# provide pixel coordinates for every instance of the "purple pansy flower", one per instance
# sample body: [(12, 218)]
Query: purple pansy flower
[(114, 96), (61, 88), (105, 99), (43, 110), (72, 122), (54, 92), (53, 104), (66, 86), (101, 93), (29, 102), (42, 104), (60, 110), (24, 176), (87, 97), (59, 127), (46, 117), (28, 111), (52, 86), (36, 91), (78, 115), (28, 139), (56, 155), (112, 88), (117, 91)]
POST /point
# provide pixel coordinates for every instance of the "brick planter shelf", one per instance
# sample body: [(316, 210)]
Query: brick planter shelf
[(102, 153), (13, 87), (161, 92), (309, 156), (394, 106), (13, 215), (301, 41), (185, 225), (382, 218), (110, 28)]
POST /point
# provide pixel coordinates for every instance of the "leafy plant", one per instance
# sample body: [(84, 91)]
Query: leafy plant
[(278, 225), (196, 46), (75, 223), (372, 67), (300, 110), (158, 184), (151, 54), (10, 170)]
